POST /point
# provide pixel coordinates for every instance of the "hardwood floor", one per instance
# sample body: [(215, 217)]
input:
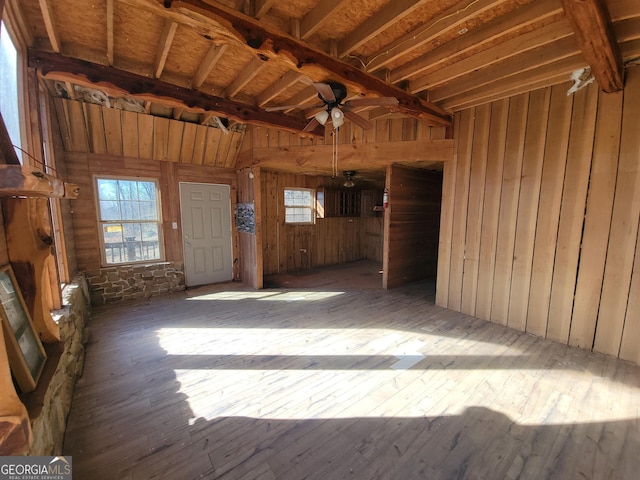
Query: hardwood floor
[(341, 380)]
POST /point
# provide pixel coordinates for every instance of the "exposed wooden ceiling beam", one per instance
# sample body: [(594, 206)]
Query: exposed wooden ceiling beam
[(117, 82), (498, 53), (313, 62), (164, 46), (549, 74), (248, 73), (287, 80), (450, 19), (528, 61), (49, 24), (490, 33), (209, 61), (380, 21), (591, 22), (353, 156), (262, 7), (320, 14), (110, 52)]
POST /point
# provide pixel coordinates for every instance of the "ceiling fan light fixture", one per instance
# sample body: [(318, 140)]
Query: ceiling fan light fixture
[(349, 183), (337, 117), (322, 117)]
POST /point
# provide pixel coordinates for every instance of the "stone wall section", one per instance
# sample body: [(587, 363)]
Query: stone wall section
[(133, 282), (49, 425)]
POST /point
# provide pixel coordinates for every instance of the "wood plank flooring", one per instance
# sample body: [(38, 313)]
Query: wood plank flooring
[(333, 377)]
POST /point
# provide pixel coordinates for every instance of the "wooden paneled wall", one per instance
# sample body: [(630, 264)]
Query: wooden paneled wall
[(90, 128), (411, 225), (329, 241), (384, 130), (81, 168), (540, 214)]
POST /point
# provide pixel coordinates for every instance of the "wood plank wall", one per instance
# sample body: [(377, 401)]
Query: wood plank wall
[(92, 128), (540, 214), (412, 223), (81, 168), (329, 241), (386, 129)]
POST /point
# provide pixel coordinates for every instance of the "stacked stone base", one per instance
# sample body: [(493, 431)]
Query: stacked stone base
[(50, 424), (133, 282)]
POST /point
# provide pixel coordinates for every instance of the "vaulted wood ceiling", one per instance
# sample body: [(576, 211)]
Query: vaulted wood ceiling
[(233, 58)]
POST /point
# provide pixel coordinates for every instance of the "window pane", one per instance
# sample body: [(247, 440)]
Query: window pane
[(298, 198), (298, 215), (107, 189), (9, 88), (127, 190), (109, 210), (130, 211), (147, 191), (148, 211), (113, 243)]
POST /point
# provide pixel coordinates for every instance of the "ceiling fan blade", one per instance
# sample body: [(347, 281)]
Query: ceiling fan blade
[(312, 125), (325, 91), (372, 102), (358, 120)]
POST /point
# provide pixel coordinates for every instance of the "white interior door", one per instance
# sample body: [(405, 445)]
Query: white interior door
[(206, 233)]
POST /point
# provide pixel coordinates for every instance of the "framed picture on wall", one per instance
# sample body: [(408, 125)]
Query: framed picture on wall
[(26, 353)]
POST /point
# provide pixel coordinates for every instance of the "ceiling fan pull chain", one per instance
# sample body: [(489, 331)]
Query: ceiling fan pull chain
[(336, 170)]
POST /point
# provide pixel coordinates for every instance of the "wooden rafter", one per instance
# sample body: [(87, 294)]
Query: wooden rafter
[(320, 14), (524, 17), (285, 81), (453, 18), (262, 7), (380, 21), (50, 25), (498, 53), (591, 22), (110, 52), (212, 57), (117, 82), (164, 46), (248, 73), (313, 62)]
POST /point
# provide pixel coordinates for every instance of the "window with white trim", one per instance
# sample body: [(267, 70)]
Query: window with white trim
[(130, 220), (298, 205)]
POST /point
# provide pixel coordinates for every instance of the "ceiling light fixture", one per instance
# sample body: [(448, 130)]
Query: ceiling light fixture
[(337, 117), (349, 183), (322, 117)]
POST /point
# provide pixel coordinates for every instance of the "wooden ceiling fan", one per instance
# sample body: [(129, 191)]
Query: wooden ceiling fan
[(334, 107)]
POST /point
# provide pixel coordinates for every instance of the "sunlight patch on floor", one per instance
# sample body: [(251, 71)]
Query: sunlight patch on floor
[(301, 373), (269, 295)]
